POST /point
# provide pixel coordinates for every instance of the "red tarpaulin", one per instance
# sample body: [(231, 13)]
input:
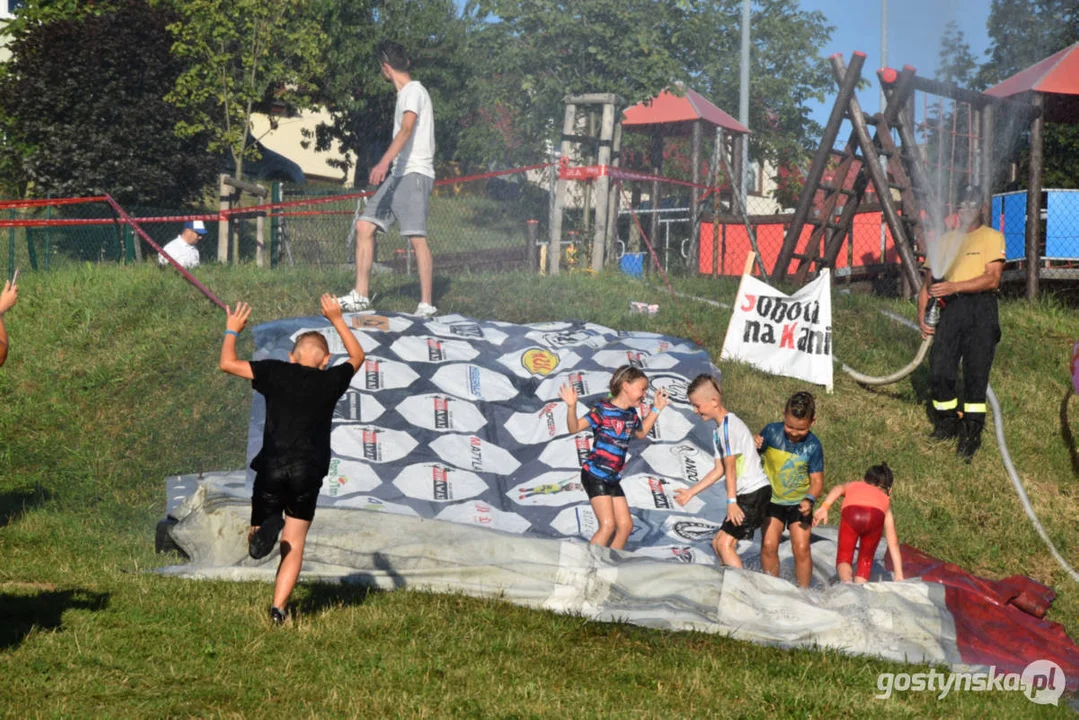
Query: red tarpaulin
[(997, 622)]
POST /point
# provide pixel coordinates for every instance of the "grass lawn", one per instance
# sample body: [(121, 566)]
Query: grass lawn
[(112, 385)]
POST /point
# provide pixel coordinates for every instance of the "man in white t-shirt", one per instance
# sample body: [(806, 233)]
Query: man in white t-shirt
[(748, 489), (405, 195), (182, 248)]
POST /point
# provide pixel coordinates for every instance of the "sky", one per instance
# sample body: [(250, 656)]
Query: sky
[(915, 28)]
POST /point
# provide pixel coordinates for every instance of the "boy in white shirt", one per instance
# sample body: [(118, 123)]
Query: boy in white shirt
[(405, 195), (748, 488), (182, 248)]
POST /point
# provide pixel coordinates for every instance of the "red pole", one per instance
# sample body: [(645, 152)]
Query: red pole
[(187, 276)]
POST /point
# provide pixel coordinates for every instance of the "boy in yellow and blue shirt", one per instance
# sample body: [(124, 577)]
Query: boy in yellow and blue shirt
[(793, 459)]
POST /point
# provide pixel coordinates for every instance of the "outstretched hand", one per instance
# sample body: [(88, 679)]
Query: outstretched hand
[(568, 394), (682, 496), (820, 517), (8, 297), (238, 317), (331, 309)]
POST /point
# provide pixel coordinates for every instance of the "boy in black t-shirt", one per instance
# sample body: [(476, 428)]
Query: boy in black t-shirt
[(295, 456)]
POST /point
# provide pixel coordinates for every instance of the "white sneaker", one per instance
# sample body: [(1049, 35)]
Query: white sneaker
[(354, 302), (425, 311)]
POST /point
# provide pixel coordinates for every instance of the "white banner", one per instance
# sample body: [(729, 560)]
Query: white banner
[(783, 334)]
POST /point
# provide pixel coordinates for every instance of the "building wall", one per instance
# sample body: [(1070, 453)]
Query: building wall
[(288, 138)]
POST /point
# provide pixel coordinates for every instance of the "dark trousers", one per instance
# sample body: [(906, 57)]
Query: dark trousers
[(968, 333)]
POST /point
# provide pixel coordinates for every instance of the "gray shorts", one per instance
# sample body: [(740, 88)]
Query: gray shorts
[(404, 200)]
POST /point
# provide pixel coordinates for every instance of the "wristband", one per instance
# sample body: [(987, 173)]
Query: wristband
[(810, 498), (656, 410), (732, 501), (232, 332)]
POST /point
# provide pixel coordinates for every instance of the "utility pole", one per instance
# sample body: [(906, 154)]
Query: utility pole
[(743, 99)]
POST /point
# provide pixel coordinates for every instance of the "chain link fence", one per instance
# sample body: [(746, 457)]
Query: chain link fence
[(489, 223)]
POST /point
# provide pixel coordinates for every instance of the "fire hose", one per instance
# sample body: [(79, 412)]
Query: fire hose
[(998, 427)]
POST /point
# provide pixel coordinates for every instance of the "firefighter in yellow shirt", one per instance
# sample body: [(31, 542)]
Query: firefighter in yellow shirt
[(968, 329)]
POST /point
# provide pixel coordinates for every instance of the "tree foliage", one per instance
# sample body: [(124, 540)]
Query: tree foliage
[(541, 50), (240, 55), (361, 102), (1023, 32), (82, 109)]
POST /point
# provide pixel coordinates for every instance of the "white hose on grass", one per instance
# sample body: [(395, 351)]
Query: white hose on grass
[(998, 425)]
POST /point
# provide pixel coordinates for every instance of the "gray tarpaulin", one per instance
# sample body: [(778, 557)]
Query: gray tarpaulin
[(905, 621)]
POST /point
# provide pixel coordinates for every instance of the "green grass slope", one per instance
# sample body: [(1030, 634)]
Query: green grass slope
[(112, 384)]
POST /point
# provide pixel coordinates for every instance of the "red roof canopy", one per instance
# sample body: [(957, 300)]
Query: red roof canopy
[(1056, 78), (671, 110), (1056, 74)]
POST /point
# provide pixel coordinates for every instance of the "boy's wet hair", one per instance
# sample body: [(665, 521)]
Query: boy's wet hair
[(312, 336), (880, 476), (623, 375), (393, 54), (801, 406), (700, 381)]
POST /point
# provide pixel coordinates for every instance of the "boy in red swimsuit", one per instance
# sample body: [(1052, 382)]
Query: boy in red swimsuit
[(866, 514)]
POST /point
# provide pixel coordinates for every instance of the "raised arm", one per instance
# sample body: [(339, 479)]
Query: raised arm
[(661, 401), (892, 539), (573, 423), (331, 309), (8, 298), (233, 327)]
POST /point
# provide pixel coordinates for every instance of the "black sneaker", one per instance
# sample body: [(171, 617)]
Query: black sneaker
[(264, 539), (277, 615)]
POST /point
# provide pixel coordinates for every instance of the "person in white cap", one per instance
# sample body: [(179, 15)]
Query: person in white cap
[(182, 249)]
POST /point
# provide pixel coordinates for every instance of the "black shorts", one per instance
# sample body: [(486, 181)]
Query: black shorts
[(755, 506), (790, 514), (595, 487), (290, 488)]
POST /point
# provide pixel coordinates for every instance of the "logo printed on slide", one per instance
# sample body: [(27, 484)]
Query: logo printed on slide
[(539, 361), (548, 415), (576, 381), (689, 469), (659, 497), (636, 359), (372, 375), (372, 448), (435, 353), (475, 447), (441, 484), (348, 407), (442, 412), (466, 329), (583, 446), (693, 531), (675, 385), (566, 339), (371, 322), (474, 386)]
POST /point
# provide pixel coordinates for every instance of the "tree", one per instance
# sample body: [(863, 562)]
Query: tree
[(1022, 32), (82, 111), (539, 51), (361, 102), (242, 55), (542, 50)]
